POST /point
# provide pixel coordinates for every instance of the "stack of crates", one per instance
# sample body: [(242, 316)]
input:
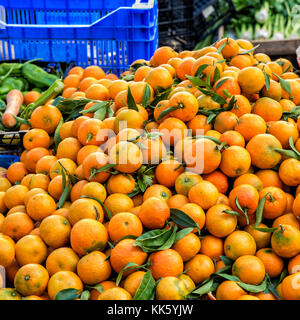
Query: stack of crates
[(111, 34), (183, 23)]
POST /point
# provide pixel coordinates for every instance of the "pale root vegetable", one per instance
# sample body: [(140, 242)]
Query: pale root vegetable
[(14, 101)]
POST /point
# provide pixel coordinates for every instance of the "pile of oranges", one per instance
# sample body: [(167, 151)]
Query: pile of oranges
[(196, 197)]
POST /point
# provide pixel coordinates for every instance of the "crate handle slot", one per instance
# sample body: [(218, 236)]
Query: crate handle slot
[(2, 17), (139, 4)]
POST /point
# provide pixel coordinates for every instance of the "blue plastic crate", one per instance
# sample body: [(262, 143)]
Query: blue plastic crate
[(111, 34), (7, 159)]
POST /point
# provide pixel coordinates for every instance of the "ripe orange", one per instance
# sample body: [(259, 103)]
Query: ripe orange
[(7, 250), (286, 241), (17, 225), (63, 280), (31, 279), (171, 288), (219, 223), (229, 290), (250, 269), (239, 243), (40, 206), (154, 212), (125, 252), (205, 194), (188, 246), (55, 231), (88, 235), (124, 224), (83, 208), (93, 268), (31, 249), (272, 262), (165, 263), (199, 268)]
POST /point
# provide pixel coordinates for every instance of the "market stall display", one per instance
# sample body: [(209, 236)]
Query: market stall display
[(196, 197)]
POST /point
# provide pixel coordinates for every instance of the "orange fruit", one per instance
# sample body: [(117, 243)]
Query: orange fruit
[(262, 239), (163, 54), (212, 247), (55, 231), (250, 125), (124, 224), (165, 263), (272, 262), (168, 171), (33, 156), (118, 202), (16, 172), (44, 164), (265, 156), (154, 212), (125, 252), (159, 78), (239, 243), (289, 172), (14, 196), (93, 71), (248, 297), (219, 223), (40, 206), (196, 213), (46, 117), (36, 138), (199, 268), (185, 181), (230, 49), (31, 96), (93, 268), (158, 191), (61, 164), (30, 249), (186, 106), (62, 259), (127, 156), (290, 287), (250, 269), (269, 109), (115, 293), (7, 251), (132, 282), (275, 203), (286, 241), (177, 201), (95, 190), (63, 280), (17, 225), (188, 246), (294, 264), (68, 148), (97, 92), (251, 80), (218, 179), (246, 195), (205, 194), (229, 290), (232, 138), (96, 240), (171, 288), (31, 279), (84, 208), (93, 162), (173, 130), (235, 161)]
